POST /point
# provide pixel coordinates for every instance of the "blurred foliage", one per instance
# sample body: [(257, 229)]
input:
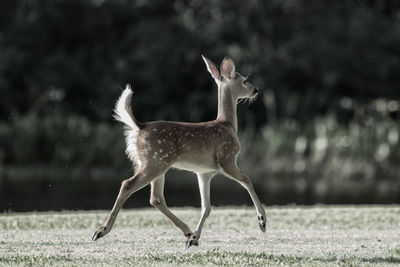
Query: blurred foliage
[(321, 161), (87, 49), (327, 124), (57, 140), (328, 162)]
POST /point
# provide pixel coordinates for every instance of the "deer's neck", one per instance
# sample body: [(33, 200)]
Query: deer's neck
[(227, 107)]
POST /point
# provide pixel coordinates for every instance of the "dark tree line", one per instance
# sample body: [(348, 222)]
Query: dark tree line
[(88, 49)]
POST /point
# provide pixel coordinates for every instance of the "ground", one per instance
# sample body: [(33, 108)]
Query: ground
[(317, 235)]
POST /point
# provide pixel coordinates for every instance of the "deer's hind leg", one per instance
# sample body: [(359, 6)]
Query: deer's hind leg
[(157, 200), (142, 178)]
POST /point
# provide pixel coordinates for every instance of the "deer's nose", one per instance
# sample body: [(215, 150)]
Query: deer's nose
[(255, 90)]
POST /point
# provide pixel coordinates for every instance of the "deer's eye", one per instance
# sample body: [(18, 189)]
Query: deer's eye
[(245, 82)]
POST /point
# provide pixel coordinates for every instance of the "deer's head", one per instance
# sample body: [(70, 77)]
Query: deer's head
[(227, 78)]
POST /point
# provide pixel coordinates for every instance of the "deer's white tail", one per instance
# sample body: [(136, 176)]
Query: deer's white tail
[(123, 112)]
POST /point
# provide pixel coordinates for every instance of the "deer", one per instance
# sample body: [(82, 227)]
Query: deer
[(205, 148)]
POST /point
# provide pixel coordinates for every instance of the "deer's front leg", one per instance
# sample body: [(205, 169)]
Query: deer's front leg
[(204, 187), (232, 171), (157, 200)]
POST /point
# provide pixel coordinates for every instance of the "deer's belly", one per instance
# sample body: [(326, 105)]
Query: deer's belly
[(195, 166)]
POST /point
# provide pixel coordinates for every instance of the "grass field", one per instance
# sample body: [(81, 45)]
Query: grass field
[(319, 235)]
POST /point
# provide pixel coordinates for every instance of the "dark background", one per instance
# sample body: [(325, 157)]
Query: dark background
[(325, 128)]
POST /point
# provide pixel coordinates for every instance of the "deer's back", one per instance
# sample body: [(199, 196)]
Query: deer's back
[(191, 146)]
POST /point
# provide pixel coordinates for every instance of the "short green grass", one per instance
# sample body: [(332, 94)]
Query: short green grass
[(307, 236)]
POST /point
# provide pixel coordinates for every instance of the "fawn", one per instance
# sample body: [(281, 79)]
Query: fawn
[(205, 148)]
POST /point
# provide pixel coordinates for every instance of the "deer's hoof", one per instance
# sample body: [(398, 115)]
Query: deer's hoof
[(261, 223), (191, 242), (99, 233), (193, 239)]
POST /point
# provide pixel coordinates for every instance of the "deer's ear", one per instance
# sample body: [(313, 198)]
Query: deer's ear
[(212, 68), (228, 68)]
